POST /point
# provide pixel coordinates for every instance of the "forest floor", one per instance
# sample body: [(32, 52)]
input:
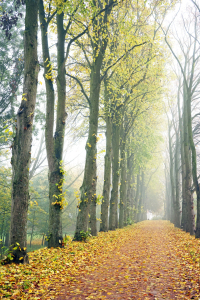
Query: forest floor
[(149, 260)]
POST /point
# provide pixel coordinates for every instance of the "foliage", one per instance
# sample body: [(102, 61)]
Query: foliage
[(13, 253), (11, 70), (85, 235)]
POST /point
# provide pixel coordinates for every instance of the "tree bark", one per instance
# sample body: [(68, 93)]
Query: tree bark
[(144, 204), (54, 143), (107, 167), (133, 197), (137, 196), (172, 179), (89, 181), (113, 217), (177, 218), (194, 168), (21, 149), (167, 195), (130, 187), (88, 188), (129, 177), (189, 226), (183, 170), (123, 200), (32, 228), (140, 202), (56, 173)]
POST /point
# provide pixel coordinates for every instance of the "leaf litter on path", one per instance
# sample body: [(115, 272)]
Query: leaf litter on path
[(149, 260)]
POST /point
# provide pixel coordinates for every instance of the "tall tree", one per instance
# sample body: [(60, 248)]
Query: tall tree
[(88, 188), (188, 65), (11, 68), (56, 13), (108, 158), (21, 148)]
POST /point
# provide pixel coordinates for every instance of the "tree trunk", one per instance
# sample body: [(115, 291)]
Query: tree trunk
[(32, 228), (183, 175), (89, 182), (56, 173), (167, 195), (93, 207), (189, 226), (172, 179), (144, 204), (130, 187), (133, 197), (21, 149), (177, 218), (140, 202), (137, 197), (88, 188), (42, 244), (194, 168), (7, 239), (123, 200), (107, 167), (113, 218), (2, 224), (129, 177), (54, 144)]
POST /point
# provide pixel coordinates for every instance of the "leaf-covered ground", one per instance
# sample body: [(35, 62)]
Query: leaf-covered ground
[(149, 260)]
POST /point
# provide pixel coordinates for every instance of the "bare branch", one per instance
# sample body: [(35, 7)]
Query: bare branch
[(81, 86)]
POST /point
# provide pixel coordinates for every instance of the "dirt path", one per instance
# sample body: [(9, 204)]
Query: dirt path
[(152, 261)]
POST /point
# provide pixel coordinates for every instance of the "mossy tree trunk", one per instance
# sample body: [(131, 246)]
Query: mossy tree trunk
[(113, 217), (189, 225), (54, 142), (167, 195), (177, 217), (129, 178), (88, 188), (130, 184), (56, 173), (137, 195), (172, 176), (141, 198), (175, 172), (183, 169), (194, 168), (133, 196), (107, 167), (144, 204), (123, 186), (21, 149)]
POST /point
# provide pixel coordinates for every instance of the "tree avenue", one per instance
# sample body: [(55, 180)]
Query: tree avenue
[(106, 71)]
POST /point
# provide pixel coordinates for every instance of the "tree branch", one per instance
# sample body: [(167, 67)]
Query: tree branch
[(138, 45), (81, 86)]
